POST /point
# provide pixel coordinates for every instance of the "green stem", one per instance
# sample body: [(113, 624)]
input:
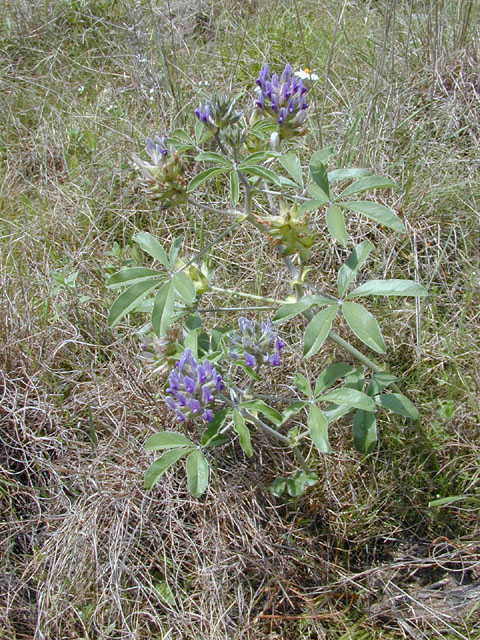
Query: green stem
[(207, 247), (241, 294)]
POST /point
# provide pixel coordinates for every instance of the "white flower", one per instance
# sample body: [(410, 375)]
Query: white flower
[(306, 74)]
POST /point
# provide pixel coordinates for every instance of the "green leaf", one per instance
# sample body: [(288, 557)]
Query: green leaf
[(379, 382), (352, 265), (347, 174), (356, 378), (319, 174), (234, 188), (264, 173), (259, 405), (174, 249), (317, 330), (392, 287), (158, 468), (243, 433), (302, 385), (364, 431), (299, 481), (179, 135), (330, 375), (292, 166), (398, 403), (163, 309), (323, 155), (292, 410), (150, 245), (287, 311), (377, 212), (350, 398), (364, 325), (318, 195), (311, 205), (211, 156), (167, 440), (258, 156), (129, 300), (278, 487), (318, 426), (184, 287), (203, 176), (209, 435), (197, 473), (131, 276), (336, 225), (364, 184), (191, 342), (333, 412), (248, 370)]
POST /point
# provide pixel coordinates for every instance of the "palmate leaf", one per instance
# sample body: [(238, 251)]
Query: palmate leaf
[(302, 385), (364, 325), (364, 431), (203, 176), (211, 156), (349, 398), (197, 473), (259, 405), (336, 225), (292, 166), (317, 330), (150, 245), (318, 427), (163, 309), (380, 381), (365, 184), (262, 172), (319, 174), (330, 375), (158, 468), (287, 311), (167, 440), (129, 300), (393, 287), (234, 188), (352, 265), (377, 212), (243, 433), (347, 174), (398, 403), (132, 276), (299, 481), (184, 287), (211, 436), (174, 251)]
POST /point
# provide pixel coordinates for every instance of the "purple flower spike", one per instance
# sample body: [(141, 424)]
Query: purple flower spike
[(192, 388), (282, 99), (257, 342)]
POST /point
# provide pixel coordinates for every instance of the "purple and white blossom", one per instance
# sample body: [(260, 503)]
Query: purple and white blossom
[(192, 388), (258, 343), (282, 98)]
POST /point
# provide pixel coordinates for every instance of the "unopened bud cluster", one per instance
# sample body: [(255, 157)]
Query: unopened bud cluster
[(163, 175), (192, 388), (217, 113), (283, 99), (258, 342), (289, 231)]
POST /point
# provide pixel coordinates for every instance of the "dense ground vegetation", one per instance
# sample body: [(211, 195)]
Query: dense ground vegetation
[(85, 551)]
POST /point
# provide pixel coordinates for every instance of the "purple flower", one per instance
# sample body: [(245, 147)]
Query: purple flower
[(282, 99), (258, 343), (192, 388)]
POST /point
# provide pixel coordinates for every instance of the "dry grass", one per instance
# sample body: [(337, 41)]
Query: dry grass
[(85, 551)]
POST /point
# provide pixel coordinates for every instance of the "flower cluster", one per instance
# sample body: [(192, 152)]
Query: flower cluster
[(283, 99), (218, 113), (163, 175), (258, 342), (192, 388), (289, 231)]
